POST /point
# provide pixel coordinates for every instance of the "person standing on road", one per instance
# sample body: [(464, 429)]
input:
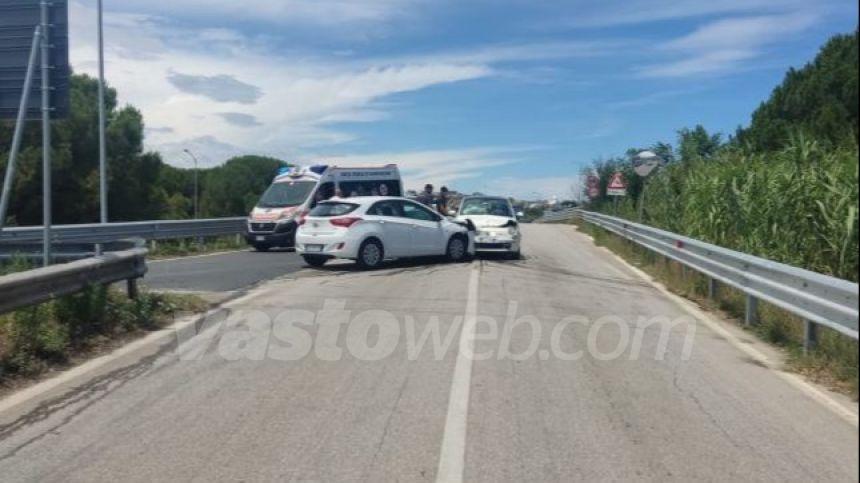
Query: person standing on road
[(442, 201), (426, 196)]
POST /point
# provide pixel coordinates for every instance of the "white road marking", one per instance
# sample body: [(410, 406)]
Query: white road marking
[(716, 325), (452, 455)]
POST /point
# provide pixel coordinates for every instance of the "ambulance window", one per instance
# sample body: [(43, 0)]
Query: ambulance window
[(285, 194), (324, 192)]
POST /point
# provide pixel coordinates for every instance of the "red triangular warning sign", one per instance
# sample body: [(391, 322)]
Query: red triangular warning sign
[(617, 182), (617, 185)]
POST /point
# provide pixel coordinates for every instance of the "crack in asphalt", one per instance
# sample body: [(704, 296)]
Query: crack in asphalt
[(89, 393)]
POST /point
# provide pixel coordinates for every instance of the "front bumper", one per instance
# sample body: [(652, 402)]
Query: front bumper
[(496, 242), (282, 235)]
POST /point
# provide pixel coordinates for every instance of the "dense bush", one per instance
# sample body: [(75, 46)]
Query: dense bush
[(786, 188), (796, 206), (35, 338)]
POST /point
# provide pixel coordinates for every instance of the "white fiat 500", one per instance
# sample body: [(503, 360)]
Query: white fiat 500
[(373, 229), (497, 227)]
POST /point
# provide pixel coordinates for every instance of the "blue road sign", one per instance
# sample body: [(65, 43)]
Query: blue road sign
[(18, 20)]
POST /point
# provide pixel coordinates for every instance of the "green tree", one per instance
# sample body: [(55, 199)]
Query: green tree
[(131, 172), (141, 186), (233, 188), (819, 101), (697, 143)]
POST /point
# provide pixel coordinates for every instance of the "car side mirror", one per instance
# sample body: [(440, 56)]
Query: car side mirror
[(520, 215)]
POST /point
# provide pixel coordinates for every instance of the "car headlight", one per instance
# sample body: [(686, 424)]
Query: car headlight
[(285, 218)]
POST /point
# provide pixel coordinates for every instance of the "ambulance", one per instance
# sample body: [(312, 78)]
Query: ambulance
[(296, 190)]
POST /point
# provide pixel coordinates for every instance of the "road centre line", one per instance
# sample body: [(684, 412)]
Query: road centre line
[(452, 455)]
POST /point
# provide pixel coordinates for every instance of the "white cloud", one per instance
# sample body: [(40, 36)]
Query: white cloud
[(726, 45), (438, 167), (608, 13), (321, 12), (560, 187), (184, 80), (742, 32)]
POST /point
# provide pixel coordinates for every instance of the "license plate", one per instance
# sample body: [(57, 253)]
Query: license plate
[(261, 238), (313, 248)]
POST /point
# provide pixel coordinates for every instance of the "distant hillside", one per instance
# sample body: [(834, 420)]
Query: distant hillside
[(819, 101)]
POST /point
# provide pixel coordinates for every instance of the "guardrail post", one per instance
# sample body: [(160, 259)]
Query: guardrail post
[(751, 314), (713, 287), (153, 245), (132, 288), (810, 336)]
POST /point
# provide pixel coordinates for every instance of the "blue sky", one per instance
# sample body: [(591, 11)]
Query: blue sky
[(503, 96)]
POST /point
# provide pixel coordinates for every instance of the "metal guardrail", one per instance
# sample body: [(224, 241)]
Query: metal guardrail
[(555, 216), (109, 232), (32, 287), (818, 299)]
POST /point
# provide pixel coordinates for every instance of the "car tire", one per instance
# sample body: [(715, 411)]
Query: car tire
[(315, 260), (370, 254), (517, 255), (458, 250), (262, 248)]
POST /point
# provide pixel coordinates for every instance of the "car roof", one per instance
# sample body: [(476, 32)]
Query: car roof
[(365, 200), (484, 197)]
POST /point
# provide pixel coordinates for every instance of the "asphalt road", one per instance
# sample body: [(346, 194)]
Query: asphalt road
[(290, 388), (222, 272)]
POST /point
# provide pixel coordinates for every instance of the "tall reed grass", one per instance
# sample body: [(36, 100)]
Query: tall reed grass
[(797, 206)]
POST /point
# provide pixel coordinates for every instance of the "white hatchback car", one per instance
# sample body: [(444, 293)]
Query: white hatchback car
[(372, 229), (496, 223)]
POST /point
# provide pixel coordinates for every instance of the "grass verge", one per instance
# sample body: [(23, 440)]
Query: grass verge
[(190, 247), (71, 329), (834, 363)]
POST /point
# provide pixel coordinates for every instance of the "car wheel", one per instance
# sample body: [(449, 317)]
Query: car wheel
[(515, 255), (262, 248), (315, 260), (457, 250), (370, 254)]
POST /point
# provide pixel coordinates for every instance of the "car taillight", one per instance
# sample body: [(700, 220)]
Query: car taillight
[(344, 222)]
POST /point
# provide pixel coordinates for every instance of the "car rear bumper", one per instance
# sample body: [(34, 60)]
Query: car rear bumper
[(333, 246)]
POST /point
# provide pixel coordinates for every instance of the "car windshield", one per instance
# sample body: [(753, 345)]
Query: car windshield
[(333, 209), (486, 206), (289, 193)]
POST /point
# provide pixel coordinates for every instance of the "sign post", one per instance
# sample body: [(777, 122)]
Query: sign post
[(617, 188), (47, 213), (644, 164), (49, 21), (19, 126)]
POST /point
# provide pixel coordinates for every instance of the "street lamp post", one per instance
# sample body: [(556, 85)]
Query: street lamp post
[(196, 190), (102, 141)]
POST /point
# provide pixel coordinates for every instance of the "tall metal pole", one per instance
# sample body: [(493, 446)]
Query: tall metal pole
[(103, 186), (196, 190), (46, 133), (19, 127)]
